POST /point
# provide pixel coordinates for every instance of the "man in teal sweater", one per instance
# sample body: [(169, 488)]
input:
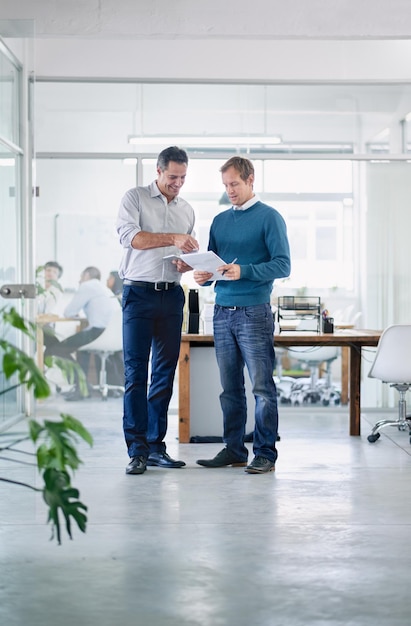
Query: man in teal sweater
[(254, 235)]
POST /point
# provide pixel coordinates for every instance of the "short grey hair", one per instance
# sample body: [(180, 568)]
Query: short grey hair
[(173, 153)]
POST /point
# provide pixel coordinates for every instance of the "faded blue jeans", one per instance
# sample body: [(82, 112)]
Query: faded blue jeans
[(245, 336), (151, 323)]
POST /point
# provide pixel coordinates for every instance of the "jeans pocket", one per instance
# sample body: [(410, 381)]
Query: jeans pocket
[(259, 311)]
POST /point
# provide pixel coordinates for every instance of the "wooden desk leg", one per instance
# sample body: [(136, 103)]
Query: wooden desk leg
[(184, 393), (355, 390), (345, 366)]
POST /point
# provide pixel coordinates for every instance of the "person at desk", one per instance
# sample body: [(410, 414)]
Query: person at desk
[(153, 222), (98, 303), (243, 321), (115, 362), (51, 293)]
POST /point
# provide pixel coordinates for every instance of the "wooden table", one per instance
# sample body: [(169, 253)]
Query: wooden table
[(352, 340), (49, 318)]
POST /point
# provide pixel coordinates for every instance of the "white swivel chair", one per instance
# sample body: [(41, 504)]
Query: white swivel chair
[(109, 342), (392, 365), (313, 389)]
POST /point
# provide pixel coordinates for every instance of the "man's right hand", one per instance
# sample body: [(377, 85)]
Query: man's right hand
[(186, 243)]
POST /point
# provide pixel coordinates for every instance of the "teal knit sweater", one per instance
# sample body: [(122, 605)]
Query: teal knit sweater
[(257, 237)]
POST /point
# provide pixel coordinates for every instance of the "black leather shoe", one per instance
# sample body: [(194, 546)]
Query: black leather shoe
[(162, 459), (137, 465), (222, 459), (260, 465)]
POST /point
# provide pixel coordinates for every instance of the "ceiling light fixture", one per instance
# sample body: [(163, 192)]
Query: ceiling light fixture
[(207, 140)]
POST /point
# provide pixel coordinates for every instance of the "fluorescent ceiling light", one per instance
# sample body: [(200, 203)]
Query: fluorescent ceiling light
[(130, 161), (206, 140), (7, 162)]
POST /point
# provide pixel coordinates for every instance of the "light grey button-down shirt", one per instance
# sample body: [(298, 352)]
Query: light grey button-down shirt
[(146, 209)]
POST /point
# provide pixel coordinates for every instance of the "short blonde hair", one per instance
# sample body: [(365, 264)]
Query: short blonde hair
[(243, 166)]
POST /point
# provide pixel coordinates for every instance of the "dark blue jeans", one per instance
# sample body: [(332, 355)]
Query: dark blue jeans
[(244, 336), (152, 321)]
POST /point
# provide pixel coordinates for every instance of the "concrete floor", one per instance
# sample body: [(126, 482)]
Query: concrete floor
[(324, 541)]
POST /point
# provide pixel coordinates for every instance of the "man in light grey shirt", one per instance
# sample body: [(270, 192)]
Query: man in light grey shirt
[(153, 222)]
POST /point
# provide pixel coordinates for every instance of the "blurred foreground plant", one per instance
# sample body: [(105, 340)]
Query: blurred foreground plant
[(54, 440)]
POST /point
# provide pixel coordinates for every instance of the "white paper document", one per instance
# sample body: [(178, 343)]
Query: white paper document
[(203, 261)]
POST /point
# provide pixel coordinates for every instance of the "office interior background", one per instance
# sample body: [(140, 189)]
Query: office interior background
[(319, 97)]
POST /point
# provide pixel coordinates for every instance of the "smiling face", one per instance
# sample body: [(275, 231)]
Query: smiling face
[(171, 179), (238, 190)]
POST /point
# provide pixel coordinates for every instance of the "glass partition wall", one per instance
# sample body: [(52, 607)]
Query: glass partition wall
[(11, 253), (312, 146), (332, 158)]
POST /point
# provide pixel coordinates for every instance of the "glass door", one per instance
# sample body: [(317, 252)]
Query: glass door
[(12, 265)]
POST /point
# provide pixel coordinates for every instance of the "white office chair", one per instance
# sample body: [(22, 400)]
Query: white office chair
[(314, 389), (392, 365), (109, 342)]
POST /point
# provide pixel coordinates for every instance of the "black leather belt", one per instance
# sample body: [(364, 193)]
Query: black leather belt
[(233, 308), (158, 286)]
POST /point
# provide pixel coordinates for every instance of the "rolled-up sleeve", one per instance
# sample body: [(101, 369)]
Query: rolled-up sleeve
[(128, 219)]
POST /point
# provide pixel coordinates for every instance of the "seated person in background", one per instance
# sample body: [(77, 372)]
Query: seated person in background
[(98, 303), (51, 292), (115, 283), (115, 362)]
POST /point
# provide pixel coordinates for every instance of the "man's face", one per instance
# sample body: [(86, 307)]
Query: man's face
[(51, 273), (238, 190), (171, 179)]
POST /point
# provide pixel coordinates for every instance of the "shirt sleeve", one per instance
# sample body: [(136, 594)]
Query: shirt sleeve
[(128, 219), (78, 302), (276, 241)]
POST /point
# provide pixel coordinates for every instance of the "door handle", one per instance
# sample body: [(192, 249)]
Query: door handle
[(18, 291)]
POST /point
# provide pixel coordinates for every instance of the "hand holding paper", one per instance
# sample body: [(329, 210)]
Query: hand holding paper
[(203, 261)]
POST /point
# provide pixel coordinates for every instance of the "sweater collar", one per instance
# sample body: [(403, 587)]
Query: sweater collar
[(247, 204)]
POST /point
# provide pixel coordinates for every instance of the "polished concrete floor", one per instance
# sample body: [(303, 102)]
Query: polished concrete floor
[(323, 541)]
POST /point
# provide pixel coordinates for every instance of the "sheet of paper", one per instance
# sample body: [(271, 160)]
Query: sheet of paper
[(204, 261)]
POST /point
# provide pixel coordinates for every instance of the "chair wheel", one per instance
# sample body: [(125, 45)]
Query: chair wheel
[(373, 438)]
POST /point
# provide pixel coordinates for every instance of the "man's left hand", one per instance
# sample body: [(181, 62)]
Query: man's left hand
[(181, 266)]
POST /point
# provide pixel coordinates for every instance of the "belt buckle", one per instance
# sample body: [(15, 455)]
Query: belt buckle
[(232, 308), (164, 286)]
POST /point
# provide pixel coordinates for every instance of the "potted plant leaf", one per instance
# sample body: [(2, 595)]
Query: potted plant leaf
[(54, 441)]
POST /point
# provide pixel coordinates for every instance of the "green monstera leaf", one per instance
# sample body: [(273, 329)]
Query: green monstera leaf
[(61, 497)]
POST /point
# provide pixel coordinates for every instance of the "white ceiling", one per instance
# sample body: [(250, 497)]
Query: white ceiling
[(231, 19)]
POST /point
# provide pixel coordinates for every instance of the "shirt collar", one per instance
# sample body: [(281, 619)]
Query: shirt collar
[(155, 191), (247, 204)]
